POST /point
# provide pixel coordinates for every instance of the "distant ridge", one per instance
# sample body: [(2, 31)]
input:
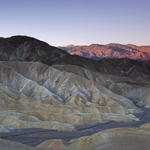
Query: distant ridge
[(112, 50)]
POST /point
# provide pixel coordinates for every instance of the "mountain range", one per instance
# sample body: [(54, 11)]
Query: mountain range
[(112, 50), (52, 100)]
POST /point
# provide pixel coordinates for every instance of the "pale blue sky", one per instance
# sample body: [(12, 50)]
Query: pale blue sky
[(63, 22)]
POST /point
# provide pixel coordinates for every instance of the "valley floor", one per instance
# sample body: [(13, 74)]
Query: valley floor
[(35, 136)]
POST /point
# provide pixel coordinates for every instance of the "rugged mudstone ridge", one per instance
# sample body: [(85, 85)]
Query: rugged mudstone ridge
[(46, 93), (41, 93), (113, 139)]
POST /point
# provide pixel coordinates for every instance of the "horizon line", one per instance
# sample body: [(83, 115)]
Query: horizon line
[(87, 44)]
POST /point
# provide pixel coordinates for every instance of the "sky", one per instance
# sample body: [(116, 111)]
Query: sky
[(78, 22)]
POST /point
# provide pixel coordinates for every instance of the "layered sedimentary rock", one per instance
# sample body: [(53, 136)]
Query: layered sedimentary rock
[(37, 95), (46, 93), (7, 145), (113, 139)]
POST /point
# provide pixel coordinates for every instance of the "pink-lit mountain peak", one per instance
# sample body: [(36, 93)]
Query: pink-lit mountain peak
[(112, 50)]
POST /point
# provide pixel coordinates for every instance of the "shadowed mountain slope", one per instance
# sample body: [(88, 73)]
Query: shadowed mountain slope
[(22, 48)]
